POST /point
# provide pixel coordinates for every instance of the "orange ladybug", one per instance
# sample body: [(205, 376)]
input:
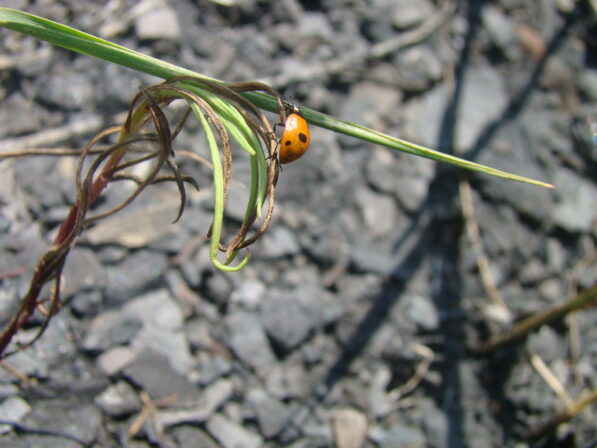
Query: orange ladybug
[(296, 137)]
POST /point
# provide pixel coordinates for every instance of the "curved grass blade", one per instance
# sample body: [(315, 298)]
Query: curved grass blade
[(218, 178)]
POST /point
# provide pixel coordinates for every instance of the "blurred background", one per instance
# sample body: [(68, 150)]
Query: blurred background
[(352, 325)]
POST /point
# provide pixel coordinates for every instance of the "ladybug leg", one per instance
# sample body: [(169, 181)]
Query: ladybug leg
[(274, 154), (273, 135), (276, 126)]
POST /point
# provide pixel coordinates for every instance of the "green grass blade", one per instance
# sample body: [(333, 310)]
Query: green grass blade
[(218, 179), (72, 39)]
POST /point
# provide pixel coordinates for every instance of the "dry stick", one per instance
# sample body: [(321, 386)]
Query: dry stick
[(552, 381), (23, 378), (46, 266), (150, 407), (572, 322), (50, 264), (472, 228), (575, 347), (585, 299), (52, 261), (420, 372), (56, 152), (51, 137), (564, 416)]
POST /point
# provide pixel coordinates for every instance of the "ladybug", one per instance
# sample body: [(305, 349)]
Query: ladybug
[(296, 137)]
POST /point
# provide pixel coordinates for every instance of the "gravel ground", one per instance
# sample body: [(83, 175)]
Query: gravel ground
[(353, 322)]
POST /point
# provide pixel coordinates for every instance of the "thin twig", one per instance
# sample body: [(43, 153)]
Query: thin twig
[(55, 152), (51, 137), (552, 381), (585, 299), (564, 416), (474, 234), (420, 372)]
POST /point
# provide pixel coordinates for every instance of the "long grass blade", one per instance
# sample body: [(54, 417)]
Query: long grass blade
[(75, 40)]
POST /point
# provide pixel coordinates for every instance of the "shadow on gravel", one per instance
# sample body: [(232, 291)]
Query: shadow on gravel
[(439, 232)]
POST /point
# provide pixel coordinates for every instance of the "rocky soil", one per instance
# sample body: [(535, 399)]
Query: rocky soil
[(353, 322)]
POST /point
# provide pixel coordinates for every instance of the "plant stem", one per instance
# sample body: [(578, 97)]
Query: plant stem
[(585, 299)]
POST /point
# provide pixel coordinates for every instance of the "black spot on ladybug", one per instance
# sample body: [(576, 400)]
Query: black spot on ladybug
[(302, 137), (287, 142)]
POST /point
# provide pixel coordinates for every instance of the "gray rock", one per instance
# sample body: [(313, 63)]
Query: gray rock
[(212, 366), (13, 409), (20, 116), (138, 272), (152, 322), (158, 23), (588, 277), (189, 436), (162, 330), (118, 400), (110, 329), (483, 99), (533, 272), (87, 304), (287, 381), (370, 258), (575, 209), (402, 436), (68, 89), (211, 399), (40, 441), (435, 424), (153, 373), (7, 390), (553, 290), (52, 355), (237, 202), (501, 31), (272, 415), (249, 342), (368, 102), (231, 434), (9, 301), (587, 82), (278, 242), (287, 320), (315, 25), (513, 155), (418, 68), (350, 428), (249, 293), (77, 419), (423, 312), (402, 175), (379, 212), (46, 187), (503, 233), (407, 13), (545, 343), (379, 402), (82, 272), (219, 288), (114, 360), (142, 226), (556, 255)]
